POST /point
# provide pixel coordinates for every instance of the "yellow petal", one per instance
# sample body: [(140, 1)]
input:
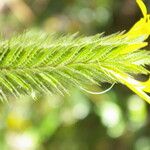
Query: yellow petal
[(133, 47), (146, 86), (142, 27), (142, 7), (136, 86)]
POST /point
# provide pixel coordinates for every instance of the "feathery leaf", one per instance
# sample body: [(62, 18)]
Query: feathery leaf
[(40, 62)]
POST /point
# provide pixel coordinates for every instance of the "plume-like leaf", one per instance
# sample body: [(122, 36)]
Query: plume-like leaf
[(51, 63)]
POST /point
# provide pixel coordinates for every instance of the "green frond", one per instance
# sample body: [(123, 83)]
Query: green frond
[(52, 63)]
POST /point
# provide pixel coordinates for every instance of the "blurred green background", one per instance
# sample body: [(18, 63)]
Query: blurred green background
[(117, 120)]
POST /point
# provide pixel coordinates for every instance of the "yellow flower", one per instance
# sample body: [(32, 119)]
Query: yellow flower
[(141, 28)]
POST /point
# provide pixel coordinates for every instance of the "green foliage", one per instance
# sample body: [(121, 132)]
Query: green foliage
[(36, 62)]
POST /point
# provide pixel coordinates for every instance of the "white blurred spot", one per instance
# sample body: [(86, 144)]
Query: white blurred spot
[(86, 15), (20, 141), (137, 111), (110, 114), (80, 111), (102, 15)]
